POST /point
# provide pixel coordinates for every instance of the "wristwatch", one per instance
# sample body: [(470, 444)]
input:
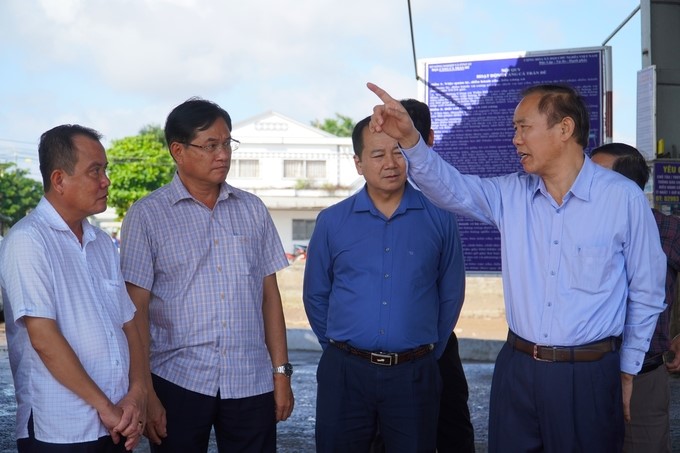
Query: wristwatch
[(286, 369)]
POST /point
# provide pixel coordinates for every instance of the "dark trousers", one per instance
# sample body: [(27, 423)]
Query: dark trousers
[(455, 433), (102, 445), (555, 406), (354, 397), (241, 425)]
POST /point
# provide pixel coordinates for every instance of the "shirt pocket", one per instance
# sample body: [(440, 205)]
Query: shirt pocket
[(588, 267), (242, 252), (111, 295)]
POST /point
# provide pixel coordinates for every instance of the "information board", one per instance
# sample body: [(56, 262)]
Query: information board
[(667, 186), (472, 100)]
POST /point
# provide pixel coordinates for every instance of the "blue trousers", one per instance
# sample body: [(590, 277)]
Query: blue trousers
[(555, 406), (241, 425), (354, 397)]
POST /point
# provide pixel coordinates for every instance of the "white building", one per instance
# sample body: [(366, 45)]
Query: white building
[(296, 169)]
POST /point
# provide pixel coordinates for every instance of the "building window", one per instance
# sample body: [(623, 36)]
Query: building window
[(304, 169), (294, 169), (245, 168), (316, 169), (302, 229)]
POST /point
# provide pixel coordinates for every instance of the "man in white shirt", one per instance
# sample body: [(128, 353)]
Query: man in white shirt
[(74, 350)]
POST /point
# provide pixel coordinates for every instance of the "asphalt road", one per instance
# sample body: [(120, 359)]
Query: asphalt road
[(296, 435)]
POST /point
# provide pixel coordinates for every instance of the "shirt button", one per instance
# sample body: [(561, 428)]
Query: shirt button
[(545, 335), (381, 332), (384, 302), (556, 242), (387, 275), (387, 249), (552, 272), (549, 304), (216, 241), (222, 296), (219, 268)]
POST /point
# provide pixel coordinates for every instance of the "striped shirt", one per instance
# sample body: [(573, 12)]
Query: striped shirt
[(669, 230), (205, 270), (46, 273)]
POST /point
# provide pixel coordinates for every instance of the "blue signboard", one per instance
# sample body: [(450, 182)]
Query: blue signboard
[(472, 100)]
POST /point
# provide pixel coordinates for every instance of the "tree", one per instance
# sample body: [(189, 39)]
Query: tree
[(342, 125), (138, 165), (19, 194)]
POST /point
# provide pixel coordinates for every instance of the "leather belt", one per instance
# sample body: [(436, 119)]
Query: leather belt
[(651, 363), (386, 358), (585, 353)]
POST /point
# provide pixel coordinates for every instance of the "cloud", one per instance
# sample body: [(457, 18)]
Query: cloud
[(118, 65)]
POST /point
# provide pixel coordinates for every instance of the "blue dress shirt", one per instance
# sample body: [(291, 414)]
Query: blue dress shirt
[(384, 284), (567, 269)]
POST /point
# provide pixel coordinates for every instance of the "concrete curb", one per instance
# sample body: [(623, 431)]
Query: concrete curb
[(470, 349)]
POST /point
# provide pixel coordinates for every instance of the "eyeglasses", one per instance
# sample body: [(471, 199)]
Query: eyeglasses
[(211, 148)]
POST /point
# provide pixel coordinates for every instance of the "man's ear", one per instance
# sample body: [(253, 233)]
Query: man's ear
[(177, 151), (57, 181), (567, 127), (430, 139), (357, 164)]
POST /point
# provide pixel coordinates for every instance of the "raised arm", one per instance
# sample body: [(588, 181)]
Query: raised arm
[(392, 118)]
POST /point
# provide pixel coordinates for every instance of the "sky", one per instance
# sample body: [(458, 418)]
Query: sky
[(119, 65)]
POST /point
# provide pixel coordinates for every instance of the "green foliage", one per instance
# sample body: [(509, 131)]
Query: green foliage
[(156, 131), (138, 165), (341, 126), (19, 194)]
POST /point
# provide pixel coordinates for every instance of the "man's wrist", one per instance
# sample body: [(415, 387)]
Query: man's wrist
[(286, 369), (411, 141)]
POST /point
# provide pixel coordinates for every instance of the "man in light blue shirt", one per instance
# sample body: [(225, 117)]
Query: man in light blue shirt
[(577, 243)]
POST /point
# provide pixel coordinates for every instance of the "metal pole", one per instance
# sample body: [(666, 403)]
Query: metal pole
[(630, 16)]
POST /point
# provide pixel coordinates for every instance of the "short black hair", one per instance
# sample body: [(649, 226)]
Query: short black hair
[(56, 150), (193, 115), (358, 136), (629, 162)]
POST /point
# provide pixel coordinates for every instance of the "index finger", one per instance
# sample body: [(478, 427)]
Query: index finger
[(382, 94)]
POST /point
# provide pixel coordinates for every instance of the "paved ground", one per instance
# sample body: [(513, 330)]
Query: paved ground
[(297, 434)]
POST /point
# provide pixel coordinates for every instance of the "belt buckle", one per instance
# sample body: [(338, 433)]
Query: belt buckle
[(383, 359), (536, 357)]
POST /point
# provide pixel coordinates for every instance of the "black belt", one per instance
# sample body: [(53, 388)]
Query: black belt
[(585, 353), (651, 363), (386, 358)]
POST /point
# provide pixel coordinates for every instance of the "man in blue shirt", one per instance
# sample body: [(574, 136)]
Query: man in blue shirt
[(383, 288), (649, 428), (582, 266)]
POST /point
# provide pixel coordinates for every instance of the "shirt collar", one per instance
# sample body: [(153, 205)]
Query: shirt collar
[(56, 222), (179, 192), (581, 185), (409, 200)]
